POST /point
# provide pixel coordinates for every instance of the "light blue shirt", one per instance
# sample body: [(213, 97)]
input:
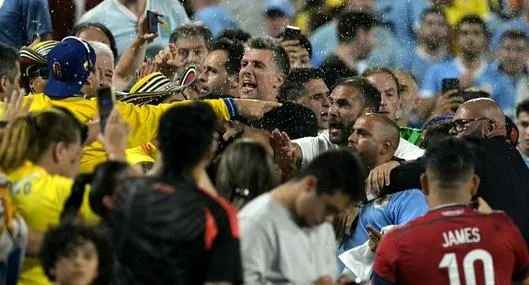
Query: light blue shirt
[(21, 19), (124, 24), (487, 78), (396, 209), (417, 63), (216, 18), (325, 39)]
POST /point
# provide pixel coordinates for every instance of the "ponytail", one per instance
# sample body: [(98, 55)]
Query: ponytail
[(19, 143), (75, 200)]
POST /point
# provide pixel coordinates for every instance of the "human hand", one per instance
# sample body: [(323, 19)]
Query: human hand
[(14, 106), (143, 26), (380, 176)]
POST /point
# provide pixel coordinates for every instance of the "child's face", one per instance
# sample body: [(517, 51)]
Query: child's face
[(79, 267)]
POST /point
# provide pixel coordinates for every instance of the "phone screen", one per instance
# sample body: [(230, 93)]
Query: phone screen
[(105, 103), (450, 84), (292, 33), (152, 21)]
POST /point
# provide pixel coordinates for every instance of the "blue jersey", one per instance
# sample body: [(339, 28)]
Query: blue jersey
[(20, 20), (396, 209)]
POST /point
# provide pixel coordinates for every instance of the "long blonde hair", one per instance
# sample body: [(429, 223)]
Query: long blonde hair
[(29, 137)]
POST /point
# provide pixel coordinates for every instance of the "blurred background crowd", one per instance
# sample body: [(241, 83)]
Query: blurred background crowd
[(264, 142)]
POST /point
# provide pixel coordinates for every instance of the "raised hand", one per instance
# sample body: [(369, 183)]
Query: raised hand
[(14, 106), (143, 34)]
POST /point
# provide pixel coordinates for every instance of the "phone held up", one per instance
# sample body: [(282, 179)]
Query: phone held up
[(105, 104), (292, 33), (152, 22), (449, 84)]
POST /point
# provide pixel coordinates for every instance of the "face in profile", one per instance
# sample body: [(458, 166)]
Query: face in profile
[(314, 209)]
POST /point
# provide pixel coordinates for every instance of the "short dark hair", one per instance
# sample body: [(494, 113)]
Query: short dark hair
[(235, 34), (369, 91), (194, 29), (235, 51), (514, 34), (450, 161), (350, 22), (433, 10), (9, 59), (436, 129), (294, 88), (522, 107), (77, 29), (279, 55), (60, 241), (472, 19), (381, 69), (337, 170), (185, 135)]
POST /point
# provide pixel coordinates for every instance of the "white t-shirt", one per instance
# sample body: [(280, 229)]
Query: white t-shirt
[(314, 146), (276, 250)]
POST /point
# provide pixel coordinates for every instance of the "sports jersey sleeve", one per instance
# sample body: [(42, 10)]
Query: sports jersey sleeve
[(408, 206), (144, 120), (521, 255), (222, 240), (386, 261)]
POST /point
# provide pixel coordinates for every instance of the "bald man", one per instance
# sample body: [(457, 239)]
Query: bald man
[(376, 138), (481, 118), (502, 170)]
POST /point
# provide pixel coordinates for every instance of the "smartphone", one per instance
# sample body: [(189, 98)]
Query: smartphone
[(152, 22), (292, 33), (449, 84), (105, 104)]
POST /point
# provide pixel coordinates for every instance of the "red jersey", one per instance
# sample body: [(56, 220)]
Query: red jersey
[(453, 245)]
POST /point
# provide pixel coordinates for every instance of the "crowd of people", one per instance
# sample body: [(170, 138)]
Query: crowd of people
[(264, 142)]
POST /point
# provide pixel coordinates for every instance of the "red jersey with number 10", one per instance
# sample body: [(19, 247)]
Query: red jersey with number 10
[(453, 245)]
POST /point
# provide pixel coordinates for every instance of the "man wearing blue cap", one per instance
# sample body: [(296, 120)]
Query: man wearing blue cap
[(278, 15), (70, 63)]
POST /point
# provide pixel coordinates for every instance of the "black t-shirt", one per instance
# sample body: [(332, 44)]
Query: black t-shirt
[(295, 120), (504, 178), (174, 234), (334, 69)]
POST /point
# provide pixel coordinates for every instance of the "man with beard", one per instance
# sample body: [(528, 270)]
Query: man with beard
[(432, 48), (356, 40), (499, 164), (471, 66), (522, 118), (351, 98)]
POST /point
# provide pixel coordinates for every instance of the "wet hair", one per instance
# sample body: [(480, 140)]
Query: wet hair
[(294, 87), (29, 137), (193, 29), (185, 135), (59, 242), (435, 11), (369, 92), (235, 52), (522, 107), (235, 34), (350, 22), (470, 20), (377, 69), (245, 171), (104, 181), (514, 34), (337, 170), (450, 161), (9, 59), (279, 55), (78, 29)]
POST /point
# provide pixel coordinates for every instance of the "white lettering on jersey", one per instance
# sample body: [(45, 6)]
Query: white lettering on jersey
[(461, 236)]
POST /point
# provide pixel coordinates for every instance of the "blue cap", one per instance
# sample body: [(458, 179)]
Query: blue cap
[(69, 64), (282, 6)]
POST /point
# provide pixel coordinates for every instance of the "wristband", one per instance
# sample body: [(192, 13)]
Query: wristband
[(232, 107)]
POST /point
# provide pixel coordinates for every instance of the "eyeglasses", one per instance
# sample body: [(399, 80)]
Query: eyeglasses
[(461, 124)]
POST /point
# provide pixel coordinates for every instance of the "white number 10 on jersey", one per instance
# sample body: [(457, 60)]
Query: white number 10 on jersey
[(450, 261)]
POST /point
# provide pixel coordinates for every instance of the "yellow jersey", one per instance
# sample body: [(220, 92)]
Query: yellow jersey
[(461, 8), (39, 198), (140, 154), (143, 121)]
